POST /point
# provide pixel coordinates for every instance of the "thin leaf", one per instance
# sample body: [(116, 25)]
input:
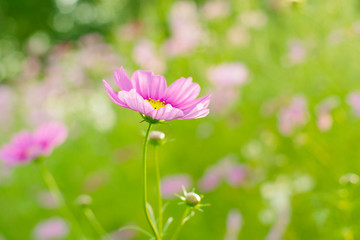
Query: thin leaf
[(188, 217), (164, 207), (167, 224), (137, 229), (151, 213)]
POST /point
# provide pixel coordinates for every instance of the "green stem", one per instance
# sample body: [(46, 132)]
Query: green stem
[(158, 189), (153, 228), (95, 223), (57, 195), (177, 231)]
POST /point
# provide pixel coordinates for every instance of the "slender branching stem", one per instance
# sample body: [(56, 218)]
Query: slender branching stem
[(158, 189), (152, 225), (177, 231), (90, 216), (59, 198)]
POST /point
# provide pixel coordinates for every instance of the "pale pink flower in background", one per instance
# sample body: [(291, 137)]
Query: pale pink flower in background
[(228, 170), (7, 99), (236, 174), (223, 99), (254, 19), (48, 136), (336, 37), (353, 99), (232, 74), (145, 56), (26, 147), (323, 111), (148, 94), (172, 184), (124, 234), (211, 179), (31, 68), (95, 181), (297, 52), (293, 116), (238, 35), (95, 53), (130, 31), (234, 223), (52, 228), (215, 9), (185, 27), (226, 78), (356, 27), (278, 229), (46, 200)]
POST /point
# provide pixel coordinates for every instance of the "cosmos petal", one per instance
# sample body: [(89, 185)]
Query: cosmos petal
[(122, 79), (181, 92), (135, 102)]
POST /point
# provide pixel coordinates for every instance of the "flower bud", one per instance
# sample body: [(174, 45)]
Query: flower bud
[(156, 138), (84, 200), (192, 199)]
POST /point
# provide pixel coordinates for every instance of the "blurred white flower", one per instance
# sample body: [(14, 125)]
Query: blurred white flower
[(218, 9), (254, 19)]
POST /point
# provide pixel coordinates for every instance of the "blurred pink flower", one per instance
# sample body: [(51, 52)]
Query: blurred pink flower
[(235, 175), (211, 179), (130, 31), (323, 112), (228, 74), (172, 184), (356, 27), (353, 100), (216, 9), (124, 234), (234, 224), (293, 116), (145, 56), (297, 52), (46, 200), (25, 146), (53, 228), (226, 79), (226, 169), (238, 35), (148, 94), (336, 37), (48, 136), (186, 30)]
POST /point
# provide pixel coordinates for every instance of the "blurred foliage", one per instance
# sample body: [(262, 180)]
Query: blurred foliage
[(104, 162)]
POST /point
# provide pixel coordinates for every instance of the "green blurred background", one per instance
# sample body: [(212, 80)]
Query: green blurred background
[(289, 120)]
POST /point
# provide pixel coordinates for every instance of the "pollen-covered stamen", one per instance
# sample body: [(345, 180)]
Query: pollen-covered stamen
[(156, 104)]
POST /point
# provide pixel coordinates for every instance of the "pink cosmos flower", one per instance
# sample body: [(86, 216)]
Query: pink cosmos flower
[(53, 228), (25, 146), (148, 94)]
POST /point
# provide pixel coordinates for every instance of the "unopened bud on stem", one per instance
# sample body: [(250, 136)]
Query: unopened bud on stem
[(84, 200), (156, 138)]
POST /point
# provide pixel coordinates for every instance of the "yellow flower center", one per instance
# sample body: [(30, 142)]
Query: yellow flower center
[(156, 104)]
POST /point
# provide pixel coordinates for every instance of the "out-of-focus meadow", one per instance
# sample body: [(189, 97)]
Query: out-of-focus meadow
[(277, 157)]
